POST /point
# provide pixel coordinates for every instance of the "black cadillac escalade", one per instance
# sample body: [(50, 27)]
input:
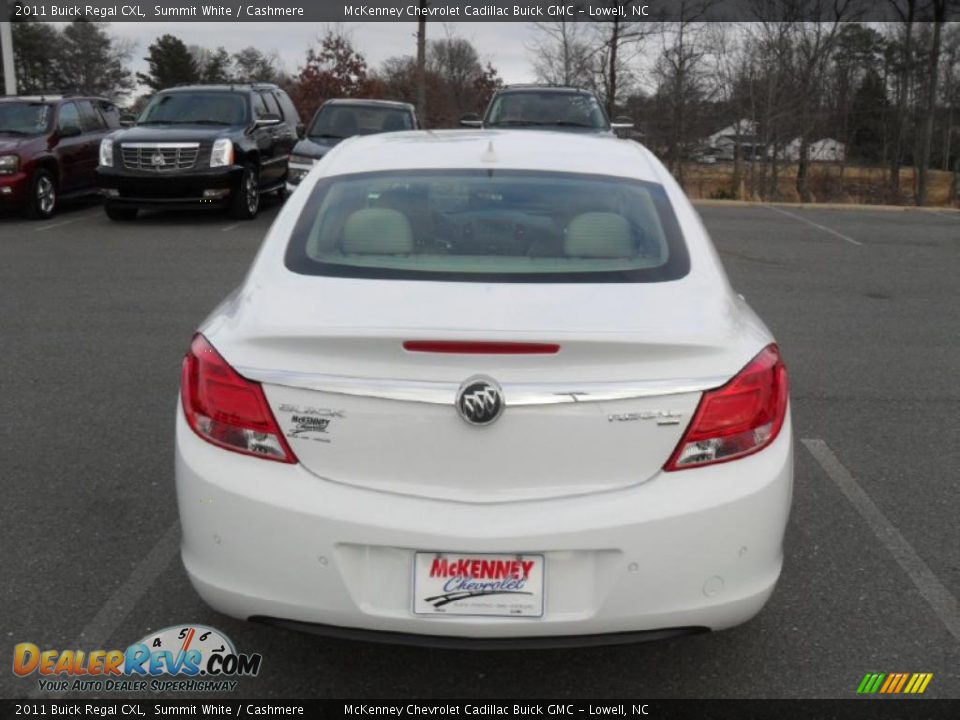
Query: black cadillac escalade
[(218, 146)]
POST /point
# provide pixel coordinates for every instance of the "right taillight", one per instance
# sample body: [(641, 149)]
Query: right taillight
[(738, 419), (226, 409)]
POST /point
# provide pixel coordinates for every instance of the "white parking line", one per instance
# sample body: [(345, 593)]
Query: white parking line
[(230, 227), (933, 591), (74, 217), (125, 598), (50, 226), (816, 225)]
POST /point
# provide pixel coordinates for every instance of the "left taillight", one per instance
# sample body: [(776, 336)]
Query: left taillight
[(739, 418), (226, 409)]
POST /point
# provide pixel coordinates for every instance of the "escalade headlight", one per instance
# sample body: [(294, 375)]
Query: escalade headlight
[(222, 153), (9, 164), (106, 152)]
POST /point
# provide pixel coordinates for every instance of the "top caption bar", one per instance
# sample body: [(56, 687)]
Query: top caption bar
[(456, 10)]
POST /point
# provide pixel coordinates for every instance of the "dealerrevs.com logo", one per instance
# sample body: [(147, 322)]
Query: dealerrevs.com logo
[(181, 658)]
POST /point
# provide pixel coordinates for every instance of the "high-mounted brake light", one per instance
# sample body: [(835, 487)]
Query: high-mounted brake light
[(481, 347), (226, 409), (738, 419)]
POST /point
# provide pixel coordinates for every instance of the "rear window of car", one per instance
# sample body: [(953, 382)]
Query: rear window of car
[(488, 226)]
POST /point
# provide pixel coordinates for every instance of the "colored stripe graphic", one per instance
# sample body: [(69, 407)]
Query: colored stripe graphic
[(870, 683), (918, 683), (894, 683), (903, 680)]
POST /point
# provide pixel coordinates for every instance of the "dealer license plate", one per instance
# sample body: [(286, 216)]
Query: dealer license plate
[(478, 584)]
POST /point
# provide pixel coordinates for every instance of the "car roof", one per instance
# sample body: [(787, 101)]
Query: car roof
[(51, 98), (543, 150), (223, 87), (545, 88), (370, 102)]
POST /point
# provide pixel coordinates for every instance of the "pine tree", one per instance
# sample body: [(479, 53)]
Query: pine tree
[(214, 66), (90, 62), (170, 64), (37, 67), (251, 65)]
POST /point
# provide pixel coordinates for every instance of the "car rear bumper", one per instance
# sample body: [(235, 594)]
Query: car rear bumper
[(176, 190), (14, 188), (695, 549), (546, 642)]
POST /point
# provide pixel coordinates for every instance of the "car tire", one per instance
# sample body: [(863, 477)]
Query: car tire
[(246, 200), (42, 202), (120, 214)]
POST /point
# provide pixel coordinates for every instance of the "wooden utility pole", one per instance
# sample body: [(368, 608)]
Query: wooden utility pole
[(422, 63), (9, 70)]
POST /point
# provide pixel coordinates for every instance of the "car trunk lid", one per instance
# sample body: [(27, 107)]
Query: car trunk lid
[(604, 411)]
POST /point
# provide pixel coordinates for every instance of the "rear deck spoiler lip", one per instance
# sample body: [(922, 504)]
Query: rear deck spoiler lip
[(514, 394)]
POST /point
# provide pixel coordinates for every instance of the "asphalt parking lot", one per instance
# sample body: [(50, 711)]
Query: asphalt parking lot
[(95, 316)]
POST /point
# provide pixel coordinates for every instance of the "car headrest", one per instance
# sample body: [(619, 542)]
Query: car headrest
[(599, 235), (377, 231)]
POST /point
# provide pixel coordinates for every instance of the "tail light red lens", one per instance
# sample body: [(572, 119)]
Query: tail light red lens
[(226, 409), (738, 419)]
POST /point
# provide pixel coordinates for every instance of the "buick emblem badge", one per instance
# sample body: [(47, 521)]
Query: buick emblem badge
[(157, 160), (480, 400)]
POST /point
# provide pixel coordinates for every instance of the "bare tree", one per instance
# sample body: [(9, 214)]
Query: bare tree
[(681, 73), (457, 62), (907, 11), (951, 89), (731, 69), (933, 68), (811, 44), (767, 84), (617, 42), (560, 53)]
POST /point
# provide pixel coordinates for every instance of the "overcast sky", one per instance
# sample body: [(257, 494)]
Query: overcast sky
[(501, 43)]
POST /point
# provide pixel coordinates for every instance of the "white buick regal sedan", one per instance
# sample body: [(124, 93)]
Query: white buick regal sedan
[(485, 388)]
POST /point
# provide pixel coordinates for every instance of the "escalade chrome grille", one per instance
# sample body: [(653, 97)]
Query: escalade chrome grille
[(159, 157)]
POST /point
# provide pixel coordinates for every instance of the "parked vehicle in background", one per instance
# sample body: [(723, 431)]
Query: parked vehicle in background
[(201, 146), (545, 107), (48, 149), (339, 119)]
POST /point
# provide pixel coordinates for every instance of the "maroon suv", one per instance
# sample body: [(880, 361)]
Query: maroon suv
[(49, 148)]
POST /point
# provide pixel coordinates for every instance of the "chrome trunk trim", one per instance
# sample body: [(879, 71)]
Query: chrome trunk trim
[(514, 394)]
